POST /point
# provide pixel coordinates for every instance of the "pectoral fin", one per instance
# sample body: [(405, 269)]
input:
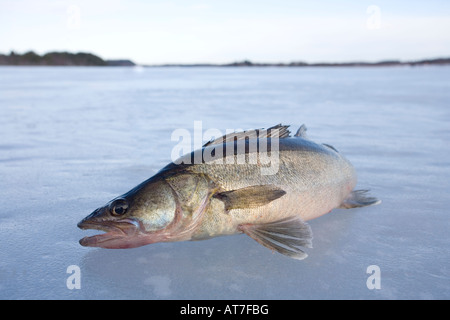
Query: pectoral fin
[(250, 197), (285, 236), (359, 198)]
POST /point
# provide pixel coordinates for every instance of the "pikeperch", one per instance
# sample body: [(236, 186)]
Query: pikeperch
[(221, 189)]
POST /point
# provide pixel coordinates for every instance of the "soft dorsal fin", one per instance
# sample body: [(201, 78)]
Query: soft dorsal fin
[(277, 131), (285, 236), (250, 197), (301, 132)]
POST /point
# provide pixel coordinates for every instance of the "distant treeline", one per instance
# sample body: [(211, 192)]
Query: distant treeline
[(247, 63), (88, 59), (59, 59)]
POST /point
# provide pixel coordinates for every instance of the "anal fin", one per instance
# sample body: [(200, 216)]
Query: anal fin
[(359, 198), (285, 236)]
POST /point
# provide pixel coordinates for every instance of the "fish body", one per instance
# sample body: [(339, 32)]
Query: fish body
[(227, 192)]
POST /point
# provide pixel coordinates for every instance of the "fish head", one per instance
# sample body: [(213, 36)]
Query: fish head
[(141, 216)]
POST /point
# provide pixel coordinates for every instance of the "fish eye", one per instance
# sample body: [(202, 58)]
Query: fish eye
[(119, 207)]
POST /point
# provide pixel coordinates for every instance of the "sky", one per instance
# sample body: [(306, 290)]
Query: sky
[(213, 31)]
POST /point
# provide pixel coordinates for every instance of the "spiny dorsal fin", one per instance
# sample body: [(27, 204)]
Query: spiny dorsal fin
[(301, 132), (358, 198), (285, 236), (250, 197), (277, 131)]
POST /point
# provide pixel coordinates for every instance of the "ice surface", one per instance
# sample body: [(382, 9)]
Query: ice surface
[(74, 138)]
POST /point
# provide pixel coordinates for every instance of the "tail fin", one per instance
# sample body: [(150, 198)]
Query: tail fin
[(358, 198)]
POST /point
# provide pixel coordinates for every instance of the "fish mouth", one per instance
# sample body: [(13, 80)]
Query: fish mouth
[(125, 233)]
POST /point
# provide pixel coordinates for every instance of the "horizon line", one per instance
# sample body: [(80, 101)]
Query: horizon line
[(248, 62)]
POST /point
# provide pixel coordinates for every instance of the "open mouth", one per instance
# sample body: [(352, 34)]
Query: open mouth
[(119, 234)]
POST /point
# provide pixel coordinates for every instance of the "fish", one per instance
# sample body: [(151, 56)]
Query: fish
[(221, 189)]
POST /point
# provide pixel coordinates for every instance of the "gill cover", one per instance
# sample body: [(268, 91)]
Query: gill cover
[(153, 204)]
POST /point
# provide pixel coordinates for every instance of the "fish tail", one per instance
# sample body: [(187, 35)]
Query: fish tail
[(359, 198)]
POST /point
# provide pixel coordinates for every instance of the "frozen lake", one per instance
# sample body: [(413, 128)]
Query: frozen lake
[(74, 138)]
